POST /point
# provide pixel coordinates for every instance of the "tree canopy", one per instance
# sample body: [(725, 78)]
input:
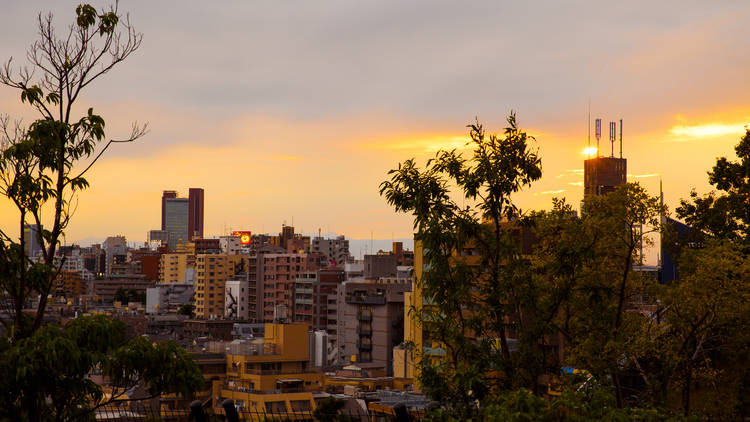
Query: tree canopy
[(48, 371)]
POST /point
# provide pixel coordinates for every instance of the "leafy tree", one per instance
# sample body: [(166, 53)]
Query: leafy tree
[(724, 214), (44, 164), (46, 376), (503, 291), (46, 369), (473, 266)]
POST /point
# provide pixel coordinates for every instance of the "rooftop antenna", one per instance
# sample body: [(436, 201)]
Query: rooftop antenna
[(589, 131), (620, 138), (612, 136), (597, 134)]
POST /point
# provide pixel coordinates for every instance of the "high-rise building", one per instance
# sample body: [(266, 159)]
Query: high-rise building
[(602, 175), (195, 213), (167, 194), (175, 213), (31, 245)]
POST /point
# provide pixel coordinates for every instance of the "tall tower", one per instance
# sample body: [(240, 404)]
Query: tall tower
[(167, 194), (175, 215), (195, 213), (602, 175)]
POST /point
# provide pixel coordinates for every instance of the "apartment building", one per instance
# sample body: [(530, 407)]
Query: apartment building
[(211, 273)]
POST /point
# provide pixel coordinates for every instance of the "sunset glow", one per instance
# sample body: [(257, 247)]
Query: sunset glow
[(707, 130)]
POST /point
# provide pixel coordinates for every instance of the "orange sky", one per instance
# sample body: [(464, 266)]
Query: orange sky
[(301, 122)]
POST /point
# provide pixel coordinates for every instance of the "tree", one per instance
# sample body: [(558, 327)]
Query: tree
[(44, 165), (46, 369), (473, 264), (502, 291), (724, 214)]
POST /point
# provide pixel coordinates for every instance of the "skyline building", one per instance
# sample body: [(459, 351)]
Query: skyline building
[(31, 246), (602, 175), (175, 213), (182, 218), (195, 213)]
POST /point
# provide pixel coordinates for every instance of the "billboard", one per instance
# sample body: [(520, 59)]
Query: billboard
[(245, 237)]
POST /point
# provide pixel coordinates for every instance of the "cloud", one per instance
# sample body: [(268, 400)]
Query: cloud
[(549, 192), (576, 183), (704, 130), (639, 176)]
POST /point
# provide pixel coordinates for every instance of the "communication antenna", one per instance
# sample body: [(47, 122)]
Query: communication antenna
[(620, 138), (612, 136), (589, 131), (597, 134)]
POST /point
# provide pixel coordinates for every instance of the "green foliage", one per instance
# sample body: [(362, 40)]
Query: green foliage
[(468, 308), (43, 165), (724, 214), (48, 372), (47, 375)]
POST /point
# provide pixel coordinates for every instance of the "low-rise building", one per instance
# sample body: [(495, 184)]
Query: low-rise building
[(271, 374)]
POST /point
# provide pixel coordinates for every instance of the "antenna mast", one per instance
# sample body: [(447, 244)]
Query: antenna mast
[(597, 134), (612, 136), (620, 138)]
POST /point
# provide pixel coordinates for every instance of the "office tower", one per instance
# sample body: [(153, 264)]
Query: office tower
[(175, 214), (167, 194), (602, 175), (31, 246), (195, 213)]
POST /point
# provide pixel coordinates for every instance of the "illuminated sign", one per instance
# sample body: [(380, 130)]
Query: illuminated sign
[(245, 237)]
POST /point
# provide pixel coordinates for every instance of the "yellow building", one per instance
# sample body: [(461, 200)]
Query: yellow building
[(211, 273), (271, 374), (172, 266)]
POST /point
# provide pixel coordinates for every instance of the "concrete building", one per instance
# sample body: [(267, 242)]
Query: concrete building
[(195, 213), (380, 265), (211, 273), (272, 374), (175, 214), (105, 289), (116, 252), (335, 251), (173, 267), (236, 299), (164, 298), (207, 246), (70, 284), (371, 322), (275, 277), (157, 238), (31, 245), (311, 294), (230, 245)]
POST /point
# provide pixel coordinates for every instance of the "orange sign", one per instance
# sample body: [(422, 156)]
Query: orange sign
[(245, 237)]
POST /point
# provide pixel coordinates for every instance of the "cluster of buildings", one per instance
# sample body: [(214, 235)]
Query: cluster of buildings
[(275, 322)]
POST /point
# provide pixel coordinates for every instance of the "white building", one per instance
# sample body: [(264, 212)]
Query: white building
[(230, 245), (236, 299)]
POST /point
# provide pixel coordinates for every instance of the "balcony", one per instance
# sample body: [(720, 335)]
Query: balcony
[(366, 300)]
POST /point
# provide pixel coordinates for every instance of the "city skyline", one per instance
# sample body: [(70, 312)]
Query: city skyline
[(282, 134)]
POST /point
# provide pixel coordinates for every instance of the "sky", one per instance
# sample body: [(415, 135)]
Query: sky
[(293, 112)]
